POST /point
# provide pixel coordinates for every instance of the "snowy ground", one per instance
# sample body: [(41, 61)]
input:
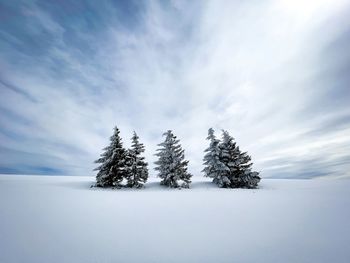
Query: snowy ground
[(60, 219)]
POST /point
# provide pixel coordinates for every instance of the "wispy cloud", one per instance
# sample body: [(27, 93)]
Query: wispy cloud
[(272, 73)]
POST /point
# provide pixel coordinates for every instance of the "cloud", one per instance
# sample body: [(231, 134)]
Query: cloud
[(272, 73)]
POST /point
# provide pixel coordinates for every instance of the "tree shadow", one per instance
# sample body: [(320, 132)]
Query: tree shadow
[(151, 186)]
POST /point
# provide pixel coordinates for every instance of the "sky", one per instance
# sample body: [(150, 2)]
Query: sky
[(275, 74)]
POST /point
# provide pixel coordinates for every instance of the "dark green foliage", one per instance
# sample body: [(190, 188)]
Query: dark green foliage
[(112, 169), (171, 165), (137, 172), (240, 174), (227, 165)]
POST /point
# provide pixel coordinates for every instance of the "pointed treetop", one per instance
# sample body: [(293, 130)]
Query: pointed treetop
[(135, 136), (211, 135), (226, 137)]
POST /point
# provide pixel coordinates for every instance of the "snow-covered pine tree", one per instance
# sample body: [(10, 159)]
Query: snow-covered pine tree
[(214, 167), (239, 163), (112, 170), (171, 165), (244, 177), (229, 154), (137, 172)]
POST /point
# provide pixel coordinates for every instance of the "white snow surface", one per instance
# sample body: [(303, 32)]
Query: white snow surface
[(60, 219)]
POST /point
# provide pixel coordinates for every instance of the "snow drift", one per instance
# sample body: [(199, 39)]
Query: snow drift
[(60, 219)]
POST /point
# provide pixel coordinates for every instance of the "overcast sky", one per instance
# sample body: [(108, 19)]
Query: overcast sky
[(275, 74)]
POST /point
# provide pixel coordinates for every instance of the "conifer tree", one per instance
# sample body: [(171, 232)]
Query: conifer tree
[(229, 154), (239, 163), (171, 165), (244, 177), (214, 167), (112, 169), (137, 172)]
